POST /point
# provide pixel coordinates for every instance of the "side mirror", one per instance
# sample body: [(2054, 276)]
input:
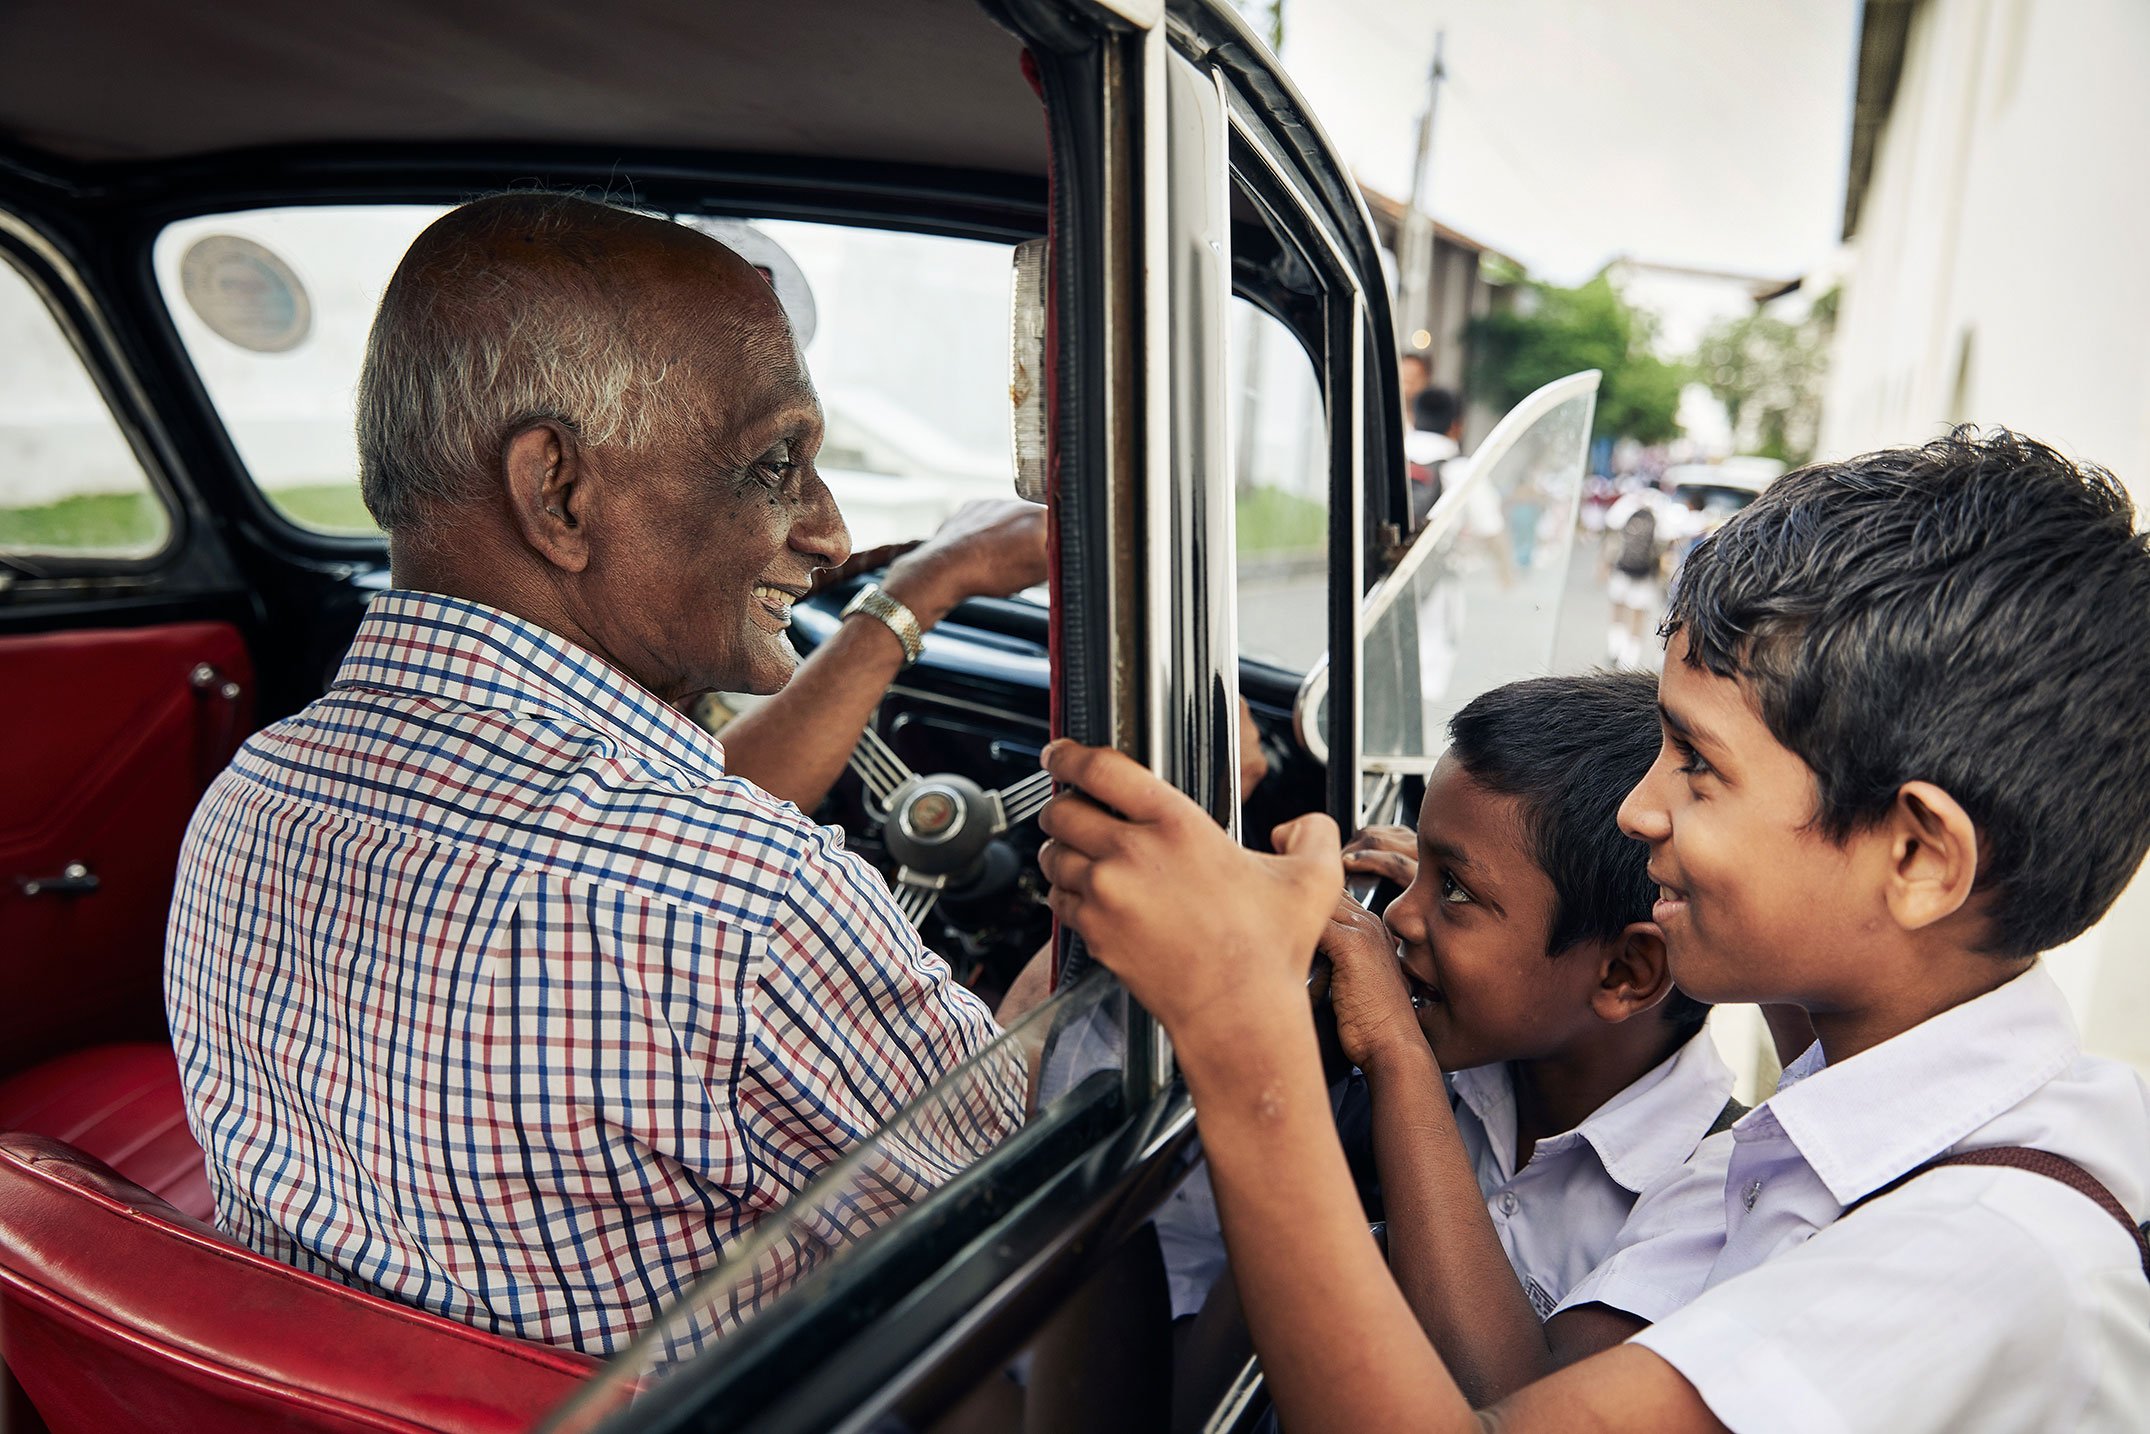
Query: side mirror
[(1026, 369)]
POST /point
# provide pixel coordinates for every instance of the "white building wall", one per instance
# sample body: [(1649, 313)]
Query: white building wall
[(2001, 275)]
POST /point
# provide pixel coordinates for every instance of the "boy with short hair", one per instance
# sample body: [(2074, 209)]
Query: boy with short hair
[(1540, 985), (1906, 712)]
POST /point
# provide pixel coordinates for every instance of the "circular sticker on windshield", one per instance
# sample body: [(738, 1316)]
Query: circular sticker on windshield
[(245, 294)]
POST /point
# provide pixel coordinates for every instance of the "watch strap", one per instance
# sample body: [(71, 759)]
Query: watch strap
[(875, 602)]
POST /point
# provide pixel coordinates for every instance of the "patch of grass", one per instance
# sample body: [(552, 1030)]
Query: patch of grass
[(136, 523), (1272, 521), (326, 507), (88, 522)]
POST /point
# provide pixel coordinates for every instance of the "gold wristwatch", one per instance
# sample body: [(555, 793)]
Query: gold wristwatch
[(872, 601)]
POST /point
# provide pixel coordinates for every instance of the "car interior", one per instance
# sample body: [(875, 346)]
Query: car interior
[(190, 251)]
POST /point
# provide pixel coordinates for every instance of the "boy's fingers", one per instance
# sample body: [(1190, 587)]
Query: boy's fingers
[(1063, 866), (1279, 834), (1065, 906), (1309, 837), (1113, 778), (1074, 820), (1383, 838), (1385, 864)]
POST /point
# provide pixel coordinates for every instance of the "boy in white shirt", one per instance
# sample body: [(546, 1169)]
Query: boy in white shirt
[(1906, 709), (1579, 1074)]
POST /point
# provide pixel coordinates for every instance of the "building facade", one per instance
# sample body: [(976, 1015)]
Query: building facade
[(1997, 203)]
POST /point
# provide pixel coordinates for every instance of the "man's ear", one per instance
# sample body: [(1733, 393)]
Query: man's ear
[(1633, 975), (1932, 856), (549, 490)]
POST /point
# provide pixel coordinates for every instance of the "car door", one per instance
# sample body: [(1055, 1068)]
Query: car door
[(125, 658), (1175, 188)]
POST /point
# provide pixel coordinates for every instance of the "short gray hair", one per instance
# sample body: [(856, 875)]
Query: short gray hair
[(472, 343)]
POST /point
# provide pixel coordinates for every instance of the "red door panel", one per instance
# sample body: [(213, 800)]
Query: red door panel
[(107, 739)]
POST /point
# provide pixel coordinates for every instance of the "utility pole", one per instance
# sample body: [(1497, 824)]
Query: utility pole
[(1414, 261)]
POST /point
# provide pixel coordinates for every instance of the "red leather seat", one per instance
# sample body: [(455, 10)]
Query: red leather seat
[(122, 1105), (123, 1313)]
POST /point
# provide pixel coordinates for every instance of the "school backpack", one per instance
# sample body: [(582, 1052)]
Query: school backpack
[(1638, 544)]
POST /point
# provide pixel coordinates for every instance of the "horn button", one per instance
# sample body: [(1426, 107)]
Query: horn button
[(940, 825)]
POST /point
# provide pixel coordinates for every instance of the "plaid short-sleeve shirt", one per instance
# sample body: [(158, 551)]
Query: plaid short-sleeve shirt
[(495, 994)]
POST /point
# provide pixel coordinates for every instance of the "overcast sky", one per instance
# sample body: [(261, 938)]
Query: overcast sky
[(1704, 132)]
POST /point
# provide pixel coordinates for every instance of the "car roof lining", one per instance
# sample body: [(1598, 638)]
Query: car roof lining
[(932, 82)]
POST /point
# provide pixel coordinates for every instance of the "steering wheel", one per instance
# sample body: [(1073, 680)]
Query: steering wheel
[(939, 828)]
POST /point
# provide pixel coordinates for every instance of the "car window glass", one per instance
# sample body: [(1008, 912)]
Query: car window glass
[(905, 334), (1046, 1071), (1478, 600), (1280, 453), (69, 481)]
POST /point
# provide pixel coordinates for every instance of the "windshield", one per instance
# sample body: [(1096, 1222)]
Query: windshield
[(905, 335)]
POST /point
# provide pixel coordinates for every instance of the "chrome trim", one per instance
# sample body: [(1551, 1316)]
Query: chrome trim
[(1160, 228), (1201, 575), (916, 694), (1238, 1400), (1357, 520)]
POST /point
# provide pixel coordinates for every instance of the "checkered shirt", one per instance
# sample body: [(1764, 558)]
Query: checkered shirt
[(493, 993)]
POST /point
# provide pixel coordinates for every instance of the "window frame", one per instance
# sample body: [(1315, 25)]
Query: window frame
[(57, 284)]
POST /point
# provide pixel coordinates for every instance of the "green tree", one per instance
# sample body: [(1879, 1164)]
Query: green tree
[(1267, 17), (1768, 372), (1555, 332)]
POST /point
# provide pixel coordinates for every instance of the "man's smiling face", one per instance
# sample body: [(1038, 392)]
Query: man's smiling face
[(710, 529), (1755, 902)]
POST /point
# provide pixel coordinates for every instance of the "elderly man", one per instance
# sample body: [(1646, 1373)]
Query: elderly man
[(494, 990)]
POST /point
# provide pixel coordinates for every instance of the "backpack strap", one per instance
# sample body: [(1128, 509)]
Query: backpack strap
[(2038, 1162)]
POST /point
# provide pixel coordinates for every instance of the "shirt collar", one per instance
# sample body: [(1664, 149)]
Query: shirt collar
[(464, 652), (1486, 1091), (1651, 1128), (1640, 1134), (1886, 1111)]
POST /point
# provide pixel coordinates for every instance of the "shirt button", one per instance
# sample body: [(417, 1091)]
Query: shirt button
[(1507, 1202), (1754, 1193)]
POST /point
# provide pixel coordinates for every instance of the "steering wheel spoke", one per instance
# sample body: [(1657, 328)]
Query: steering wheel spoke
[(916, 894), (878, 766), (943, 831), (1020, 801)]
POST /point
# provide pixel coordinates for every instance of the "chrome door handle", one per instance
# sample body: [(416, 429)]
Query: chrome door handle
[(75, 879)]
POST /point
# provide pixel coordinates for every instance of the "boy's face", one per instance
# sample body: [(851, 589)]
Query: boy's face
[(1474, 927), (1755, 903)]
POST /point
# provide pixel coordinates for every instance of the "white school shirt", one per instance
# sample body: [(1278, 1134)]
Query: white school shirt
[(1974, 1298), (1558, 1216)]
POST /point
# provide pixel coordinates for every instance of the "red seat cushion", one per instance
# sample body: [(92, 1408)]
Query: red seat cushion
[(122, 1313), (121, 1105)]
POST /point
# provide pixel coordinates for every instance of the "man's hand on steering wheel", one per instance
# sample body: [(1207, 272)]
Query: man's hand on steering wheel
[(988, 549)]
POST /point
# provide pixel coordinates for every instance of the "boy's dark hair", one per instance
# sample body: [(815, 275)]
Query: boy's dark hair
[(1433, 410), (1972, 614), (1569, 750)]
